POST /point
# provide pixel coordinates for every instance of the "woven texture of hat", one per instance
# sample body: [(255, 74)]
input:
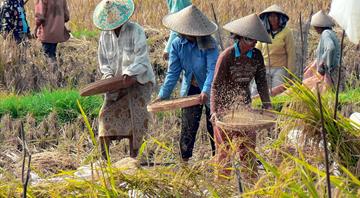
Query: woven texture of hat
[(111, 14), (274, 8), (321, 19), (249, 26), (190, 21)]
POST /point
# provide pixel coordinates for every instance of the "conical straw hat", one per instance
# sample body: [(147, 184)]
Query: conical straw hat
[(321, 19), (250, 27), (274, 8), (111, 14), (190, 21)]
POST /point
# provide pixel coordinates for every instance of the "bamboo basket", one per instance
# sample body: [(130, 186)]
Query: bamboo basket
[(166, 105), (105, 85), (246, 120)]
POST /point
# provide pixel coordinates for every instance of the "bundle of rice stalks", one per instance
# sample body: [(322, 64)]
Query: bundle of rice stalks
[(25, 68), (50, 162), (302, 113)]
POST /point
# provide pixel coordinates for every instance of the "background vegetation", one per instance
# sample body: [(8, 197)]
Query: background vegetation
[(63, 143)]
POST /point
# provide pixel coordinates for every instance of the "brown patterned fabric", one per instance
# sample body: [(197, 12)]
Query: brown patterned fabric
[(126, 116), (232, 78)]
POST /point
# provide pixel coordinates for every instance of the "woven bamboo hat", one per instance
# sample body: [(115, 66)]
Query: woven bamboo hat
[(190, 21), (321, 19), (250, 27), (111, 14), (273, 9)]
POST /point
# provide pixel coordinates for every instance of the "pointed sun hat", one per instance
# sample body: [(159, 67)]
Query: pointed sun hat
[(321, 19), (190, 21), (273, 9), (249, 26), (111, 14)]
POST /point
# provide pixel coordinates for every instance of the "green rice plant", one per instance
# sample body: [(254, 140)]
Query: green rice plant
[(347, 97), (86, 34), (302, 112), (41, 104)]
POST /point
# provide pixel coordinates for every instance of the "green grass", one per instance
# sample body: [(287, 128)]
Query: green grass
[(41, 104), (85, 33)]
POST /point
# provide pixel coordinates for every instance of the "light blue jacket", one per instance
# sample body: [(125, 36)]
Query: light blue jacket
[(328, 51), (175, 6), (186, 56)]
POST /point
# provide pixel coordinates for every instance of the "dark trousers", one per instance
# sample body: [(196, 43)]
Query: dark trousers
[(49, 49), (190, 124)]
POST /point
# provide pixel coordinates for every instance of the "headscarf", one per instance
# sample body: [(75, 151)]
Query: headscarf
[(282, 23), (177, 5)]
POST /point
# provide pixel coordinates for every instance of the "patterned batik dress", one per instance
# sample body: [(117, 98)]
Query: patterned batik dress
[(126, 116)]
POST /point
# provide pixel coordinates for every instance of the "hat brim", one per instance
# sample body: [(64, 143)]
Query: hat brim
[(190, 21), (250, 27), (103, 21), (189, 32), (261, 15)]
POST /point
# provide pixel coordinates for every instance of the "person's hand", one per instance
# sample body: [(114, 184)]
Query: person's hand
[(34, 34), (166, 56), (213, 118), (203, 98), (129, 79), (5, 34)]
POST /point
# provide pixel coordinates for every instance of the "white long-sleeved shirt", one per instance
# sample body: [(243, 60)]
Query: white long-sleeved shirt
[(125, 54)]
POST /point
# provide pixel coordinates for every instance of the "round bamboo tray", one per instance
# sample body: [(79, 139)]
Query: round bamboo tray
[(105, 85), (166, 105), (246, 120)]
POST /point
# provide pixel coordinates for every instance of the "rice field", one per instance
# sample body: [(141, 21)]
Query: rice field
[(60, 127)]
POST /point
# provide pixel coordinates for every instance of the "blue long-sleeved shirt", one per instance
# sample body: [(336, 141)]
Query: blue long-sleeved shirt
[(175, 6), (186, 56)]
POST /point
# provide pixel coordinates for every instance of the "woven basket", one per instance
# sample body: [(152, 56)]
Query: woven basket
[(177, 103), (105, 85), (266, 120)]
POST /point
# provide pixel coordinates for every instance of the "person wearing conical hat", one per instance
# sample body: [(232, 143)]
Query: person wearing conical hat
[(328, 50), (194, 52), (123, 51), (236, 67), (174, 6), (280, 54)]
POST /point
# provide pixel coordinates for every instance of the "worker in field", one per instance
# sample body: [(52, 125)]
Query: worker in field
[(327, 55), (13, 20), (174, 6), (236, 67), (123, 51), (280, 54), (50, 19), (324, 69), (194, 52)]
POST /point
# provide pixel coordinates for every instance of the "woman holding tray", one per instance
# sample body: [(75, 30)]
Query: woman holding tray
[(194, 52), (235, 69), (123, 51)]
